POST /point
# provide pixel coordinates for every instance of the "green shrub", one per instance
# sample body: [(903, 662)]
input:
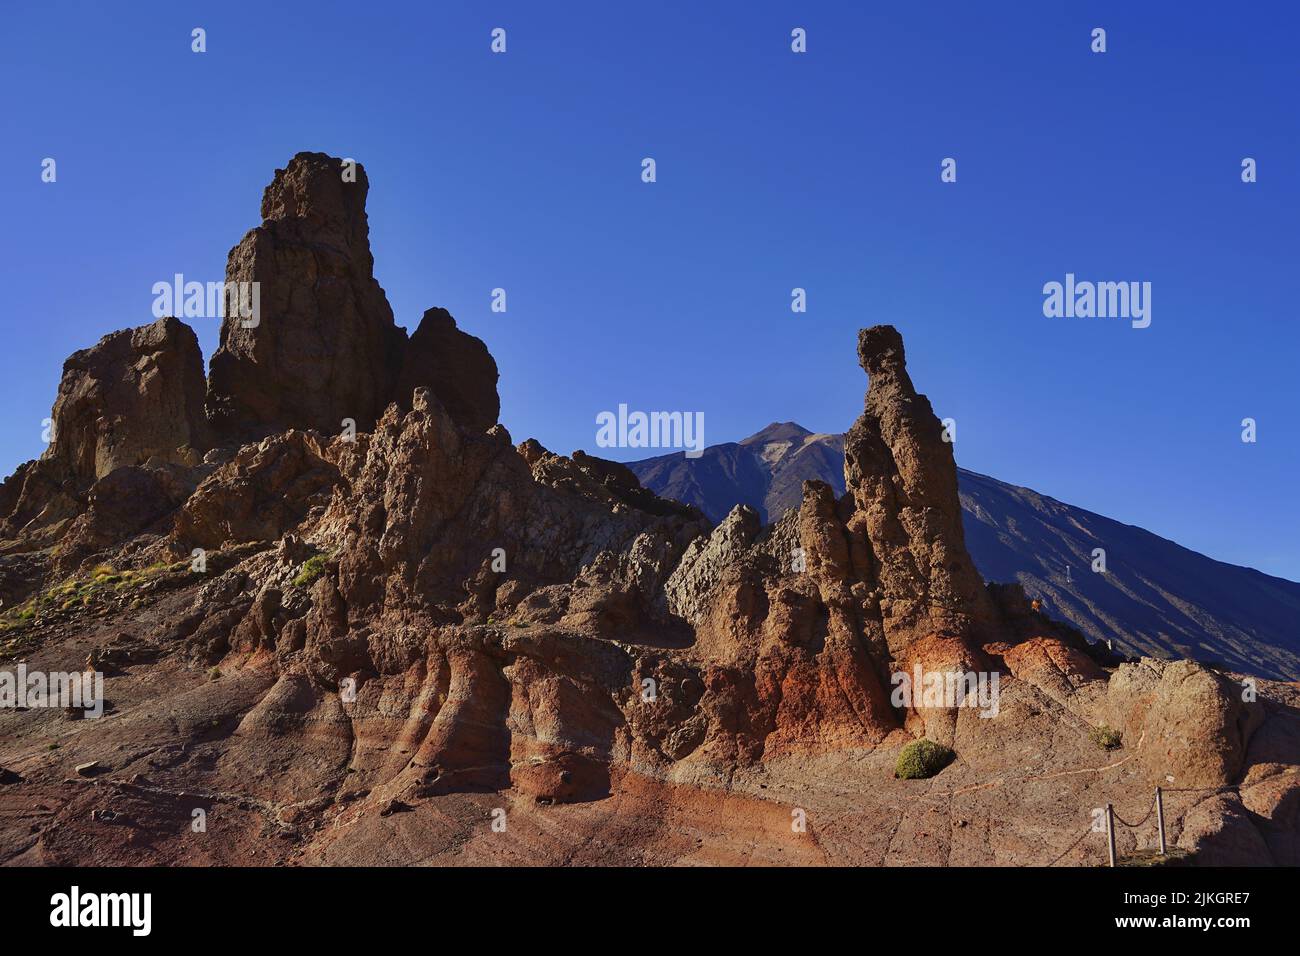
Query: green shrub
[(1105, 738), (921, 759), (311, 569)]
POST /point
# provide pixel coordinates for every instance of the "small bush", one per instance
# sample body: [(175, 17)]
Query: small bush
[(921, 759), (312, 568), (1105, 738), (214, 673)]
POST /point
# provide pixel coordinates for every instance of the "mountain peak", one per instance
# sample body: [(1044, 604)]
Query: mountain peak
[(777, 431)]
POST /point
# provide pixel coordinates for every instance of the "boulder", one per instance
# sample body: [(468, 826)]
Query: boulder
[(1189, 725)]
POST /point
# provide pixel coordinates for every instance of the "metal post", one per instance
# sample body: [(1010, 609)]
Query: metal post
[(1110, 832), (1160, 819)]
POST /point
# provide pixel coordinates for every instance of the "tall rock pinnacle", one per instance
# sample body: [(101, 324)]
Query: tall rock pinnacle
[(903, 480), (325, 347)]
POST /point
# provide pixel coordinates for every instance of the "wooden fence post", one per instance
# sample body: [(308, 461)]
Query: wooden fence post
[(1110, 832), (1160, 820)]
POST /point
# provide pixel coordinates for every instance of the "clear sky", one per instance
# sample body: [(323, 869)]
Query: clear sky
[(775, 170)]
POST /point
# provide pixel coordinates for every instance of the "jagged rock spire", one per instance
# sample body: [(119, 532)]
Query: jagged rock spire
[(903, 479), (324, 347)]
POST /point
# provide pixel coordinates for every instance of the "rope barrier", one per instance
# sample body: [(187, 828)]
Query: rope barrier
[(1116, 818), (1134, 826)]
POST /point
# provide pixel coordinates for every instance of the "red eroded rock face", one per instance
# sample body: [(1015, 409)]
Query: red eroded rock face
[(1051, 665), (941, 656)]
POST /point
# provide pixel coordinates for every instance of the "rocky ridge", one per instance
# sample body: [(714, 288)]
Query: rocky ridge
[(1154, 599)]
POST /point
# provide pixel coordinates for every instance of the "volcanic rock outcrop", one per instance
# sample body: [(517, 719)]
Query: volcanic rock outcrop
[(457, 367), (903, 479), (135, 399), (324, 347), (136, 396), (343, 630)]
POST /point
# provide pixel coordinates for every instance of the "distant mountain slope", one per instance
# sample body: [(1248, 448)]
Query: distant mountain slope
[(765, 471), (1156, 597)]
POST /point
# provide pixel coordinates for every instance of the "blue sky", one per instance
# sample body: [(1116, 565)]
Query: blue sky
[(775, 170)]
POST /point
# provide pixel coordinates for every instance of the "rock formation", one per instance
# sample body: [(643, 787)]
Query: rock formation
[(1160, 600), (456, 366), (135, 397), (133, 400), (424, 615), (903, 479), (324, 346)]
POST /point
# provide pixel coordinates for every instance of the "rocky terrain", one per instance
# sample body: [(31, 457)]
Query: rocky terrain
[(1154, 597), (423, 643)]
